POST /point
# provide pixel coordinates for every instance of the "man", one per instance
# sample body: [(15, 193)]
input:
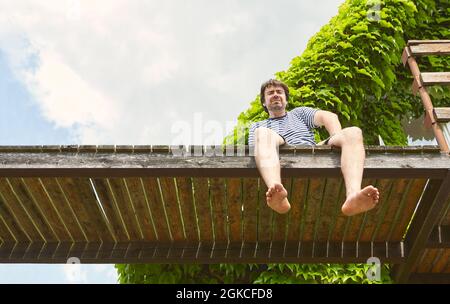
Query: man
[(295, 128)]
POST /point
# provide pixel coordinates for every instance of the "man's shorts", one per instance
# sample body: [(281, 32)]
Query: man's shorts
[(324, 142)]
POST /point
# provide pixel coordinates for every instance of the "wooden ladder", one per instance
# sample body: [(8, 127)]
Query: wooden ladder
[(435, 118)]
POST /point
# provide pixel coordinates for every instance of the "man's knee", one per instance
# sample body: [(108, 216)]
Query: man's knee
[(352, 134)]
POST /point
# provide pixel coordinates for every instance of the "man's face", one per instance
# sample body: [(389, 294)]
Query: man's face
[(275, 98)]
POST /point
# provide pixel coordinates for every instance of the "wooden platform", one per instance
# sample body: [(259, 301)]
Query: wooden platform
[(160, 204)]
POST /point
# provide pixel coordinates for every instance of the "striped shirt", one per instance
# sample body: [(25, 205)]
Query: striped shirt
[(295, 127)]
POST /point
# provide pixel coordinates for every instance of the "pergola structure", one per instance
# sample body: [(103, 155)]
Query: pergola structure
[(206, 204)]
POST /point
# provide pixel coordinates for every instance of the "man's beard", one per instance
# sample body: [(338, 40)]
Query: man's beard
[(276, 107)]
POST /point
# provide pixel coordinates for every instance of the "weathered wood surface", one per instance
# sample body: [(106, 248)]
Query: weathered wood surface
[(307, 161)]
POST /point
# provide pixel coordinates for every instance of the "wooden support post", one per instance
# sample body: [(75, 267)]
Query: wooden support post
[(427, 215)]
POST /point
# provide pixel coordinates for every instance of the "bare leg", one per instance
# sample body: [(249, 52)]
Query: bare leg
[(352, 165), (268, 164)]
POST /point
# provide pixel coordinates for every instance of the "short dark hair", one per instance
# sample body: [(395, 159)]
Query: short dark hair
[(272, 83)]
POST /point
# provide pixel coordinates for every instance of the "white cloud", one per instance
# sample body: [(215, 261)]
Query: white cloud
[(89, 273), (120, 71), (74, 274), (65, 97)]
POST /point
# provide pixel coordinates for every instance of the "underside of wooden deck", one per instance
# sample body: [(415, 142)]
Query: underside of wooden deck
[(161, 204)]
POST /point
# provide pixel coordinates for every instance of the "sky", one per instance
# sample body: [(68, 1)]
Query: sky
[(138, 73)]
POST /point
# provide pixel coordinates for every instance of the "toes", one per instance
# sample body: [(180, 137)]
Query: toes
[(371, 191)]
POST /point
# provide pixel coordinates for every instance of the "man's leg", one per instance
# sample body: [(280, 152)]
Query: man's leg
[(266, 157), (358, 200)]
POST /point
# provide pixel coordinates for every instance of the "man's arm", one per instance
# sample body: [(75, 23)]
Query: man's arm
[(329, 120)]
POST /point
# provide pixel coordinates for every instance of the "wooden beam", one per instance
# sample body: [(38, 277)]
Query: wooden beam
[(439, 237), (430, 278), (202, 252), (431, 206), (310, 162)]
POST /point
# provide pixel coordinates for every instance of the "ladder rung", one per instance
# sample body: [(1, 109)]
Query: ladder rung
[(415, 42), (442, 114), (436, 78), (422, 49)]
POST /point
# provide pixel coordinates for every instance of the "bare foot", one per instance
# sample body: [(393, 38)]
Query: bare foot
[(361, 201), (277, 198)]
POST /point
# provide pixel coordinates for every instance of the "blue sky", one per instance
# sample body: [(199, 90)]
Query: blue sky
[(137, 72)]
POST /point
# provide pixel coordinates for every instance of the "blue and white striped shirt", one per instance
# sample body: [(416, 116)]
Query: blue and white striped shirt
[(295, 127)]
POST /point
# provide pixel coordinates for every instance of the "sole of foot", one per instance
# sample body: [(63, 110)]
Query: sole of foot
[(361, 201), (276, 197)]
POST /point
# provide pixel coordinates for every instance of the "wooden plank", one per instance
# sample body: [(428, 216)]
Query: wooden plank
[(315, 193), (17, 210), (445, 220), (435, 78), (139, 201), (373, 219), (265, 216), (383, 206), (219, 209), (11, 225), (250, 209), (84, 203), (405, 215), (172, 207), (5, 233), (356, 221), (330, 203), (111, 209), (201, 196), (430, 49), (59, 201), (447, 269), (234, 203), (188, 209), (442, 114), (121, 197), (280, 221), (427, 262), (443, 260), (37, 192), (337, 229), (298, 199), (386, 221), (32, 208), (153, 195)]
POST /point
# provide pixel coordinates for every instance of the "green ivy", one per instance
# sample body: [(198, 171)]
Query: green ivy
[(248, 274), (353, 68)]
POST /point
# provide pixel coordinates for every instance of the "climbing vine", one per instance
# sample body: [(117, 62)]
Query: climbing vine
[(353, 68)]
